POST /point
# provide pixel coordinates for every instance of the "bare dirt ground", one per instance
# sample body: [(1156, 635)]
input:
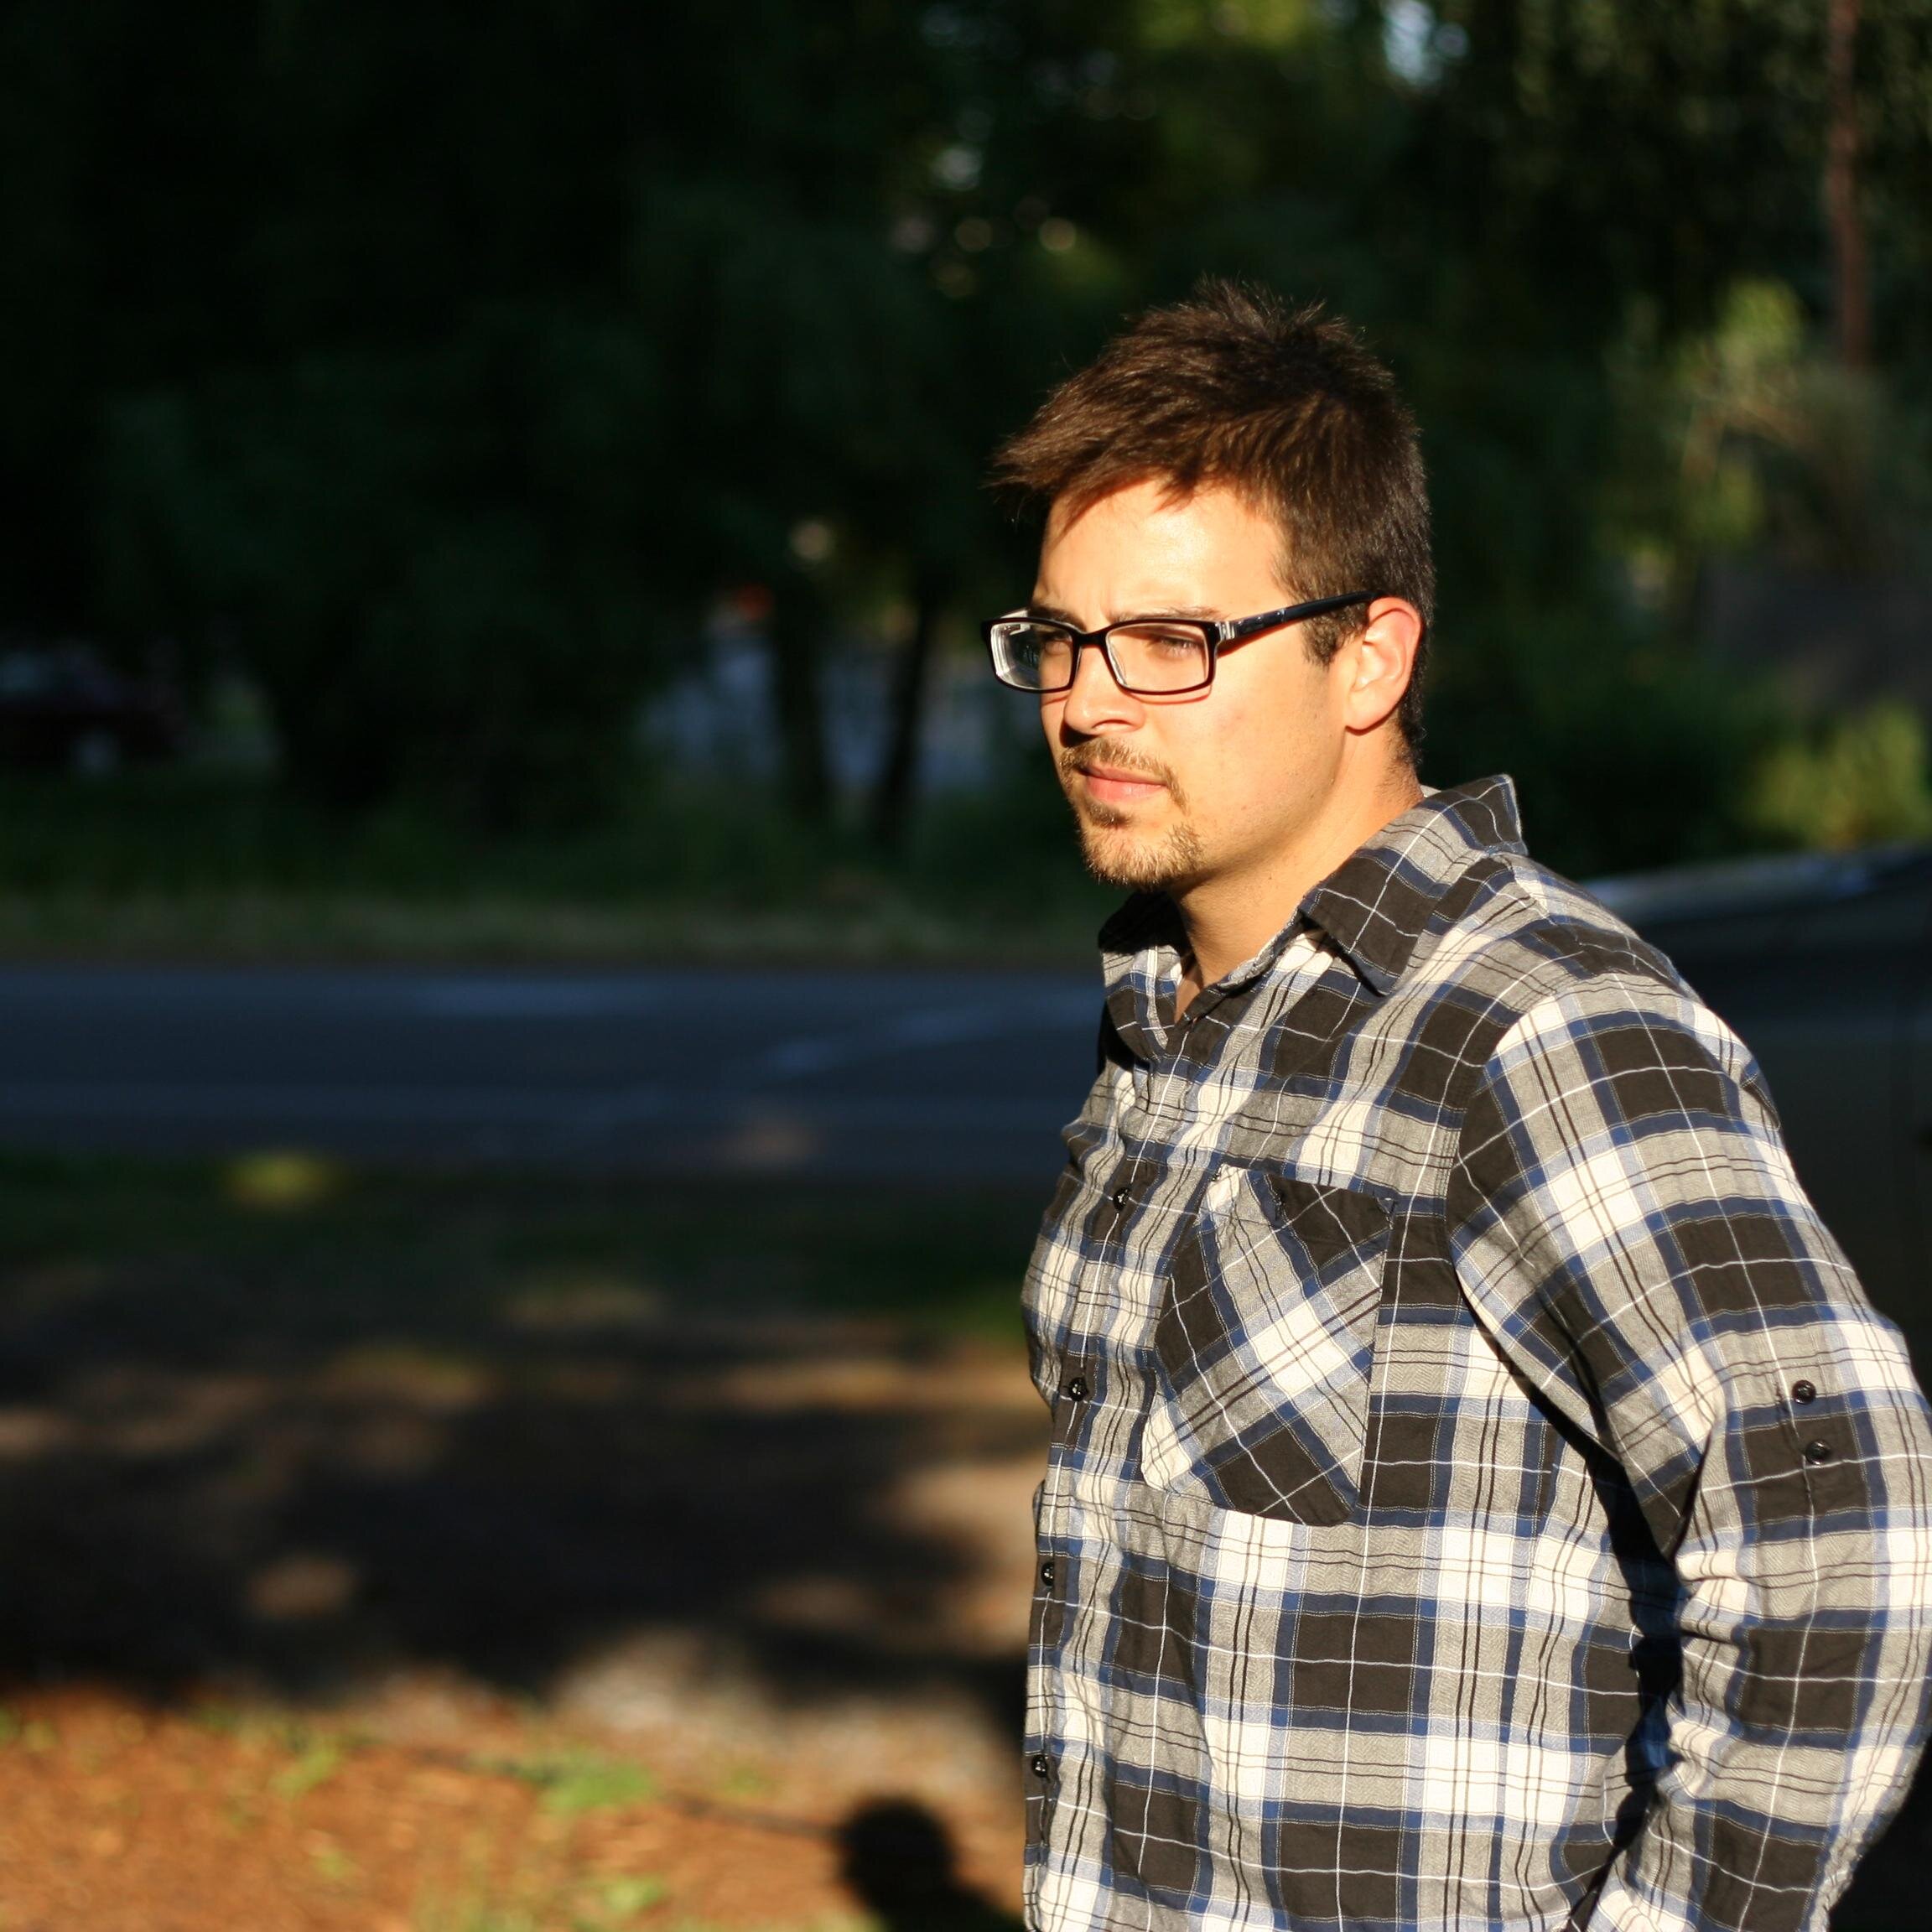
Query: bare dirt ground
[(457, 1557), (834, 1726), (120, 1817), (499, 1554)]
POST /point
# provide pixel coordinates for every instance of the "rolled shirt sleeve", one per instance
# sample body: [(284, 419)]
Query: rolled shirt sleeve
[(1629, 1230)]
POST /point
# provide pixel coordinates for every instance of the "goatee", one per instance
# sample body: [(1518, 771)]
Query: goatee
[(1118, 858), (1114, 855)]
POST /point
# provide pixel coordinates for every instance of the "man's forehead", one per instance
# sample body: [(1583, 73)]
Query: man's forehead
[(1154, 494), (1149, 545)]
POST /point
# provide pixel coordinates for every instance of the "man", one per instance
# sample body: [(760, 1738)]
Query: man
[(1480, 1494)]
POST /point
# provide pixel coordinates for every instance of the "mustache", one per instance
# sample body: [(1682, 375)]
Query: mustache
[(1121, 758)]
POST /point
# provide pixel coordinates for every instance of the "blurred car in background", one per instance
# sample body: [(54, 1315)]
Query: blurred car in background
[(62, 707), (1823, 964)]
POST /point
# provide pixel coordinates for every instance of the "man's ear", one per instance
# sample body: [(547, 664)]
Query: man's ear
[(1379, 661)]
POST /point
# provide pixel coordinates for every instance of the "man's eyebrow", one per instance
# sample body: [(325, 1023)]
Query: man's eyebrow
[(1052, 613)]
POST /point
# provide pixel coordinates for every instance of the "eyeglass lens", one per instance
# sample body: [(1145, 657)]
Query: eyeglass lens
[(1147, 657)]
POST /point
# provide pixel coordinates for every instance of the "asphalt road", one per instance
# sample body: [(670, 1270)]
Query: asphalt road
[(915, 1075)]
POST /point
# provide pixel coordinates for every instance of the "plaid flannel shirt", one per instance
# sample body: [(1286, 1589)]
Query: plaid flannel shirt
[(1480, 1494)]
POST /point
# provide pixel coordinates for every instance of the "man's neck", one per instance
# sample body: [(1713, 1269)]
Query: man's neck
[(1231, 916)]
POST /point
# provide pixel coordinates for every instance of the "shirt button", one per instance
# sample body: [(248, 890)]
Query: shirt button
[(1047, 1575), (1817, 1452), (1803, 1392), (1077, 1390), (1119, 1198), (1039, 1764)]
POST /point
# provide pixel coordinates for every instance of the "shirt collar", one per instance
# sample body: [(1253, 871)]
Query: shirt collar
[(1375, 907), (1378, 903)]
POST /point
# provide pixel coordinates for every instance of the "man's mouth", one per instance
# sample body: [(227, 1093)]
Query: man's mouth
[(1106, 785), (1112, 784)]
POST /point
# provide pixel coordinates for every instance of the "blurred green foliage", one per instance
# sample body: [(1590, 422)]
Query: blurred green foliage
[(1860, 780), (174, 864), (438, 366), (170, 1261), (427, 558)]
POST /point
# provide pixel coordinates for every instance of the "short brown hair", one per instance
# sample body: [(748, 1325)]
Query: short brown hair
[(1284, 405)]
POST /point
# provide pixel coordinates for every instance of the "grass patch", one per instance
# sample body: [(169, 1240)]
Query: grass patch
[(626, 1897), (302, 1439), (182, 864), (605, 1904), (579, 1781), (169, 1258), (317, 1763), (332, 1865), (484, 1915)]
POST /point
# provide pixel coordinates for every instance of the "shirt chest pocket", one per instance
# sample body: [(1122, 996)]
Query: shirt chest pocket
[(1264, 1344)]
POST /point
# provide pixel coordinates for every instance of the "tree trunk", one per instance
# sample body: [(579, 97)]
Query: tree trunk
[(899, 776), (797, 645), (1851, 275)]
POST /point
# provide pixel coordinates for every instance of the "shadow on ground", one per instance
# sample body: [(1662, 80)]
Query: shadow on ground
[(898, 1860), (514, 1432), (501, 1429), (316, 1524)]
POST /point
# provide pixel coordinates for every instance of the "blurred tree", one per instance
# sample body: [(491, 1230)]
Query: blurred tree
[(433, 561), (1857, 780), (1844, 213), (440, 358), (413, 469), (825, 267)]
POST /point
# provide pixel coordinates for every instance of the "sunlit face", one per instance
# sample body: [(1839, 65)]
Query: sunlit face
[(1170, 793)]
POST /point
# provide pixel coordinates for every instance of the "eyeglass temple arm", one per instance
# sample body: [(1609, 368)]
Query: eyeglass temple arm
[(1229, 629)]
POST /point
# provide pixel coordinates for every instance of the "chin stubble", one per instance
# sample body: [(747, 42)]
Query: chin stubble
[(1114, 857)]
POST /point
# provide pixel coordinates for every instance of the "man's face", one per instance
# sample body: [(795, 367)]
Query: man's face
[(1174, 792)]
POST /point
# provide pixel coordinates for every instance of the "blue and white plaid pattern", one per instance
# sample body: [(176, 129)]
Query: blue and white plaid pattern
[(1480, 1494)]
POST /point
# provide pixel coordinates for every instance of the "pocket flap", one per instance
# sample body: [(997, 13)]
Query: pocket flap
[(1329, 1222), (1265, 1344)]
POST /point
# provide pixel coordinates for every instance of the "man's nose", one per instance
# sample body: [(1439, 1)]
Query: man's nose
[(1095, 702)]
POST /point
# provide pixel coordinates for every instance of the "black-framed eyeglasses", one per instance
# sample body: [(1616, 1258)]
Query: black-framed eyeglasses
[(1149, 656)]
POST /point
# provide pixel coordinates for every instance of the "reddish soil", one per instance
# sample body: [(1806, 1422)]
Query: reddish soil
[(714, 1624), (120, 1818)]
